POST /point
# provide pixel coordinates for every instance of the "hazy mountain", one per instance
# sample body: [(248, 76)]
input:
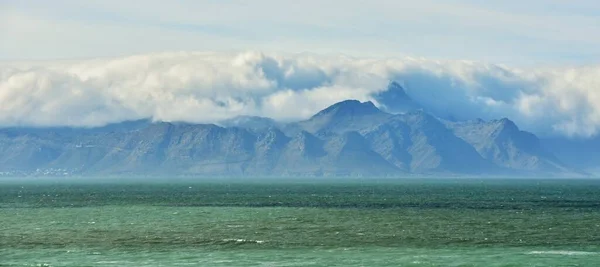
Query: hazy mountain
[(268, 150), (250, 122), (348, 138), (395, 100), (302, 155), (349, 153), (418, 142), (581, 153), (501, 142), (345, 116)]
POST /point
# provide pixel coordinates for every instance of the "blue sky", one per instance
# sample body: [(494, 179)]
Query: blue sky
[(532, 32)]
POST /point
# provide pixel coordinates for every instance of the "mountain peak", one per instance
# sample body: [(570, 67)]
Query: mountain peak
[(349, 115), (394, 92), (395, 100), (394, 85), (350, 107), (506, 124)]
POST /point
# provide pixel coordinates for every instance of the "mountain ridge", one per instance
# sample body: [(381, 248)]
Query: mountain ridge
[(348, 138)]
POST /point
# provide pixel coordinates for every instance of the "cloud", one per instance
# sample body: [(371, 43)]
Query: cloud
[(206, 87)]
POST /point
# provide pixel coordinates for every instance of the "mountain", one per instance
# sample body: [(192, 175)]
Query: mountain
[(302, 156), (420, 143), (249, 122), (345, 116), (501, 142), (268, 150), (395, 100), (349, 153), (581, 153), (349, 138)]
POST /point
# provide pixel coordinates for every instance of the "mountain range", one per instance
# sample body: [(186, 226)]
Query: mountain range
[(349, 138)]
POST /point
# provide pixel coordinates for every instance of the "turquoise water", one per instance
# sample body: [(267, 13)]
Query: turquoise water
[(358, 223), (353, 256)]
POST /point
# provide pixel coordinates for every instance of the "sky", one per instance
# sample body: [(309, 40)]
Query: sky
[(531, 32), (89, 63)]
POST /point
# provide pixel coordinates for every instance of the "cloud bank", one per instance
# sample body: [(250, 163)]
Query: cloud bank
[(208, 87)]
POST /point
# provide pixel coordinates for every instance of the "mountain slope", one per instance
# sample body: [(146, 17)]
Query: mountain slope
[(420, 143), (249, 122), (501, 142), (302, 155), (395, 100), (350, 153), (580, 153), (345, 116)]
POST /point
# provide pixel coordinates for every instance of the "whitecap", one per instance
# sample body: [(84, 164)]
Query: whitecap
[(239, 240), (562, 252)]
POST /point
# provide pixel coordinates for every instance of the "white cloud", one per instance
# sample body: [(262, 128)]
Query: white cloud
[(207, 87)]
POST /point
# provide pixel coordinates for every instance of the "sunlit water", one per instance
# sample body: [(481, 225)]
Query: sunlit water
[(403, 223)]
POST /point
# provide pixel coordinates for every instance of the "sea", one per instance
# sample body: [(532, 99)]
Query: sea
[(299, 222)]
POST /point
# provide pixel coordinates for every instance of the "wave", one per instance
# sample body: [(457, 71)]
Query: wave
[(563, 252), (243, 241)]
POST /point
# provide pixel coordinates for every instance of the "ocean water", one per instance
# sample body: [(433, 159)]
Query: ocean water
[(301, 223)]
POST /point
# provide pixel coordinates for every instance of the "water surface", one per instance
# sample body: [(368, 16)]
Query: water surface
[(357, 223)]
